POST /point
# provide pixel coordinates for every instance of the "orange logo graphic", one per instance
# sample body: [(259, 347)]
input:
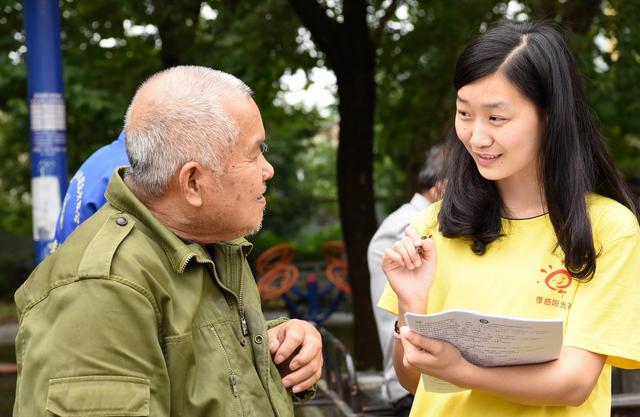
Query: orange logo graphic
[(557, 280)]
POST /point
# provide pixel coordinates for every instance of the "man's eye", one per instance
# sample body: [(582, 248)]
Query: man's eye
[(264, 148)]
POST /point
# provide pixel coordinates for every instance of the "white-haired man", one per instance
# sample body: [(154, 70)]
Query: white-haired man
[(149, 308)]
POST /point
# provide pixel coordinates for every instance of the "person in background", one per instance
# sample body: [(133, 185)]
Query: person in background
[(85, 194), (535, 222), (391, 230), (149, 308)]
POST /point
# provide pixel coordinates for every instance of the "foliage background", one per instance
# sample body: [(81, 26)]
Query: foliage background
[(109, 47)]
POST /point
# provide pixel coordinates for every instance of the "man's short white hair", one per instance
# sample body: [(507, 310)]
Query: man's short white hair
[(175, 117)]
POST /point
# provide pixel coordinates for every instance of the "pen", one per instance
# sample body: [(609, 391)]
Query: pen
[(419, 248)]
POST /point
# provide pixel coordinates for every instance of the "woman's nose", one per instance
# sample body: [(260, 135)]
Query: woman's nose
[(480, 137)]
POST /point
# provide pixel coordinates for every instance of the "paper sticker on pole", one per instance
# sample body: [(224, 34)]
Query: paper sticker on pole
[(47, 112), (45, 192)]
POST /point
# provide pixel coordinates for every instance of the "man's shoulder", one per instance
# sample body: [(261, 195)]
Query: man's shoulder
[(397, 221), (87, 254), (404, 212)]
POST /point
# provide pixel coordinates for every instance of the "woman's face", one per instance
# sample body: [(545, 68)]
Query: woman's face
[(501, 129)]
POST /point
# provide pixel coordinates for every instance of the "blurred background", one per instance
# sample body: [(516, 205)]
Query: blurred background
[(351, 92)]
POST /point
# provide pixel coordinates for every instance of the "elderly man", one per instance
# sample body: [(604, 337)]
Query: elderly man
[(149, 308)]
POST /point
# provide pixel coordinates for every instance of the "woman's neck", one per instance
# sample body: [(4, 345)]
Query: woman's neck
[(521, 199)]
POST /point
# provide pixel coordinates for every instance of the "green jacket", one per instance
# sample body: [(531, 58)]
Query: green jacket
[(126, 319)]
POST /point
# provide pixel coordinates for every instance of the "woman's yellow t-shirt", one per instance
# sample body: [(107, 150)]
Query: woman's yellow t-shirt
[(522, 274)]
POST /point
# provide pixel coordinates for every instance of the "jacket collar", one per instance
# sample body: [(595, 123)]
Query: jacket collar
[(179, 252)]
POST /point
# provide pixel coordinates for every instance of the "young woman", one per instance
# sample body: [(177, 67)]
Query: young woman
[(535, 223)]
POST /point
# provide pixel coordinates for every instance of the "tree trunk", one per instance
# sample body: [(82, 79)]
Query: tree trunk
[(350, 52), (356, 91), (176, 34)]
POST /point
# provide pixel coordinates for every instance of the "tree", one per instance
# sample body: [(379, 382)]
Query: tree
[(604, 39), (350, 47)]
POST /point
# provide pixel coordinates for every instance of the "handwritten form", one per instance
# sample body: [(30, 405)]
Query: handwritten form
[(488, 340)]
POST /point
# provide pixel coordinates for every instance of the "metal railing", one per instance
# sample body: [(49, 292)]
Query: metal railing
[(339, 375), (340, 394)]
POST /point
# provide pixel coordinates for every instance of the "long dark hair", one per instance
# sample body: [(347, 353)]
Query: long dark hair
[(574, 159)]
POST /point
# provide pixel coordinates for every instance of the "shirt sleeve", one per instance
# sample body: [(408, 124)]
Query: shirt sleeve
[(85, 194), (388, 233), (65, 223), (604, 315), (388, 300)]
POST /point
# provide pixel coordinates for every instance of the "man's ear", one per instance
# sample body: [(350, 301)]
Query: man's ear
[(191, 178)]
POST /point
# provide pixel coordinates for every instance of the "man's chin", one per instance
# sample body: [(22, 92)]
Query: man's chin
[(256, 230), (259, 226)]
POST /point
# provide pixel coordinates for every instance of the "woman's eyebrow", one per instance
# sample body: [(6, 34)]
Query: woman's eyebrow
[(492, 104)]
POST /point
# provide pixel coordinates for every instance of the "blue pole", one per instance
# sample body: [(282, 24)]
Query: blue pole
[(47, 119)]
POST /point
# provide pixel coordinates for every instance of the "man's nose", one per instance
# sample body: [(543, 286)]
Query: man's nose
[(267, 172)]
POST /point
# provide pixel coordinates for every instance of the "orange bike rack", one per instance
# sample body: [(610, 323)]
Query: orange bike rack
[(275, 270), (333, 250), (277, 281), (278, 254), (337, 272)]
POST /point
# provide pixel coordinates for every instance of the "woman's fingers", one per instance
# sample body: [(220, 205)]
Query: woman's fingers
[(419, 242), (391, 260), (406, 248)]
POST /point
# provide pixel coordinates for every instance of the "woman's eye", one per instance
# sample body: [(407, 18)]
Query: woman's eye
[(496, 119), (264, 148), (463, 114)]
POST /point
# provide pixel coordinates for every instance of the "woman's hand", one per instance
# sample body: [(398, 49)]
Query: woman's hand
[(566, 381), (433, 357), (410, 273)]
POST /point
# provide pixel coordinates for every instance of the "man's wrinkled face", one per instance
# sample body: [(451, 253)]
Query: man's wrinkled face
[(236, 206)]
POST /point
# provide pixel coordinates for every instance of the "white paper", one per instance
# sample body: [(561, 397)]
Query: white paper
[(488, 340), (45, 192), (47, 112)]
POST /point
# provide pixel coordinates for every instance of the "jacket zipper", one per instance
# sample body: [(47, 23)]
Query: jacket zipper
[(244, 325), (186, 261), (233, 379)]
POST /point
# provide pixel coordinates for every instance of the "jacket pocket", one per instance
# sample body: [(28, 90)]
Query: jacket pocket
[(99, 395)]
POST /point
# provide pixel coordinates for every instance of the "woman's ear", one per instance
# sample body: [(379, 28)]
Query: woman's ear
[(191, 178)]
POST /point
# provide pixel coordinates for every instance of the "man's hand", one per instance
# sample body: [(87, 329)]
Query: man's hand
[(296, 348)]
